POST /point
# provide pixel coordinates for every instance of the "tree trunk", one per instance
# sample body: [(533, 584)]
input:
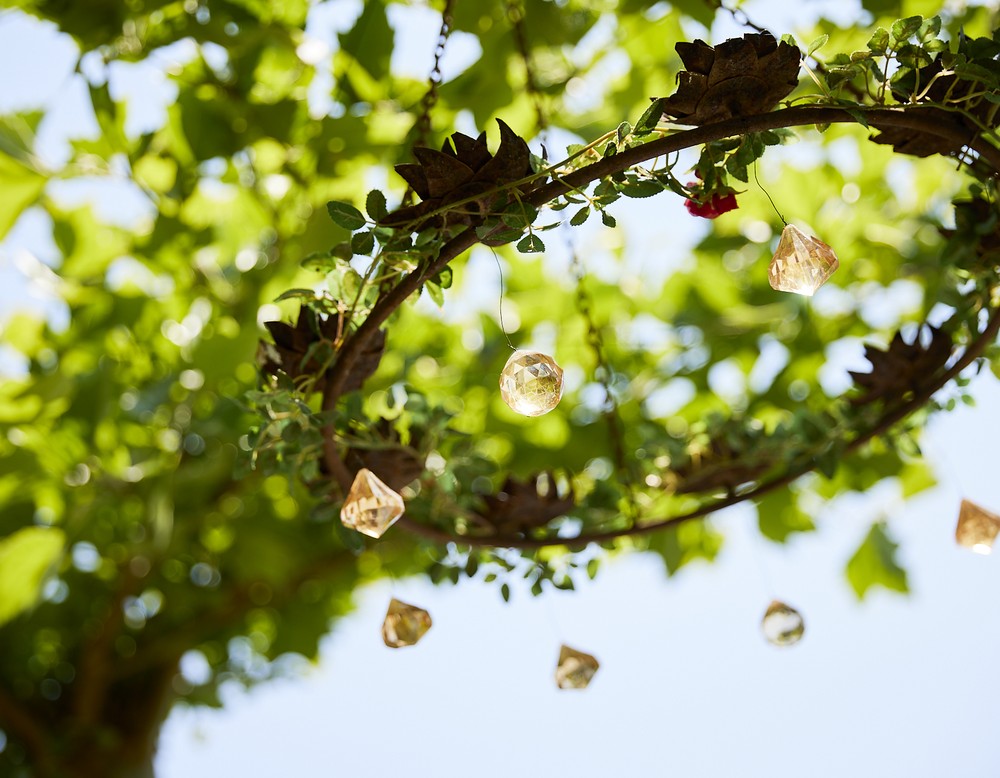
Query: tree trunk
[(121, 741)]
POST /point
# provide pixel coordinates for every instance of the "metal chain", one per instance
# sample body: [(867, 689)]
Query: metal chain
[(422, 126), (603, 373)]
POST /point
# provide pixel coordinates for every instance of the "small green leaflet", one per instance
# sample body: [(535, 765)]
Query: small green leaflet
[(817, 44), (648, 121), (904, 28), (530, 244), (375, 205), (644, 188), (345, 215)]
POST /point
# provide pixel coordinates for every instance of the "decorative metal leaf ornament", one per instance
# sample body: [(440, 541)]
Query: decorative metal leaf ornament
[(739, 77), (294, 354), (463, 169), (520, 506), (903, 367)]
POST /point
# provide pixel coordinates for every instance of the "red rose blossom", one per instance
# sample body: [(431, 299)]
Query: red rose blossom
[(715, 206)]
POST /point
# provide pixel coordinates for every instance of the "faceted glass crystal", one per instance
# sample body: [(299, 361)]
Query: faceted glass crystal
[(782, 624), (575, 669), (531, 383), (802, 264), (371, 507), (977, 528), (404, 624)]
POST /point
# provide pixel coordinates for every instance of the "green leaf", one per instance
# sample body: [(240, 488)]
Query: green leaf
[(879, 41), (828, 461), (21, 188), (444, 278), (904, 28), (916, 477), (580, 216), (929, 29), (779, 515), (608, 220), (736, 168), (684, 543), (644, 188), (375, 205), (505, 592), (530, 244), (435, 293), (623, 131), (345, 215), (26, 557), (519, 215), (874, 564), (648, 121), (370, 41), (363, 243), (296, 294), (817, 44)]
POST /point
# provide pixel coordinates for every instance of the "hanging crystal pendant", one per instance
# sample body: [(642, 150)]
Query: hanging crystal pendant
[(802, 263), (782, 624), (575, 669), (371, 507), (977, 528), (531, 383), (404, 624)]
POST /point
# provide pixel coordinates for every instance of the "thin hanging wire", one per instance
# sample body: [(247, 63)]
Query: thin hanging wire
[(503, 327), (422, 126), (766, 194), (604, 374), (757, 553)]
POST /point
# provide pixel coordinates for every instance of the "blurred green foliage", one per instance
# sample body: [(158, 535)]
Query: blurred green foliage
[(136, 527)]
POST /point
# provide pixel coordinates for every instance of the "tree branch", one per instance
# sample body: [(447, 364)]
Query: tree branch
[(24, 726), (920, 118), (972, 352)]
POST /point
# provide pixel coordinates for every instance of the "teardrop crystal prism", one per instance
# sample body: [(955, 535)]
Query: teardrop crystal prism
[(977, 528), (802, 263), (531, 383), (575, 669), (404, 624), (371, 507), (782, 624)]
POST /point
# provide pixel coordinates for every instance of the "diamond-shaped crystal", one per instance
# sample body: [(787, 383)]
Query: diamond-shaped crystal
[(977, 528), (782, 624), (802, 263), (575, 669), (404, 624), (531, 383), (371, 507)]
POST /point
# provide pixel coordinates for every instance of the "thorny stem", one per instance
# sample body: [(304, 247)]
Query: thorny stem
[(918, 118)]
